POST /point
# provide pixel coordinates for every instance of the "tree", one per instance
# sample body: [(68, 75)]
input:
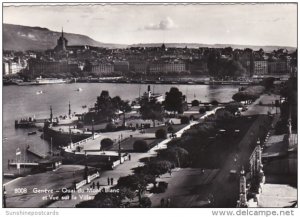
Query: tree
[(223, 115), (136, 182), (104, 106), (106, 143), (161, 134), (233, 107), (184, 120), (176, 155), (195, 103), (214, 102), (159, 167), (245, 96), (174, 100), (145, 202), (140, 146), (122, 106), (151, 110), (102, 200)]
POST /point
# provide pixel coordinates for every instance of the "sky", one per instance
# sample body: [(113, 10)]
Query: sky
[(246, 24)]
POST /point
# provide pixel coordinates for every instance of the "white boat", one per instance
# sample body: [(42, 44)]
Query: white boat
[(79, 89), (41, 80), (39, 92)]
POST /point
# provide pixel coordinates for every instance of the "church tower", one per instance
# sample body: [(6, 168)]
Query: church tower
[(62, 42)]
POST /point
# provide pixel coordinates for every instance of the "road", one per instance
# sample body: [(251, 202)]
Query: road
[(225, 192)]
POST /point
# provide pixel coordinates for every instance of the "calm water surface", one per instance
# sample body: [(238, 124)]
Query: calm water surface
[(22, 101)]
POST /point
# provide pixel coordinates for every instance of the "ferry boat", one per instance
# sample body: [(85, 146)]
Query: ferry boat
[(41, 80)]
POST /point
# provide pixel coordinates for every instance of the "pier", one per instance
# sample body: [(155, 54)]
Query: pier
[(23, 164), (36, 153)]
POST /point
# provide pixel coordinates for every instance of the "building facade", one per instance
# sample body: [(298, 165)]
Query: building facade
[(102, 69), (260, 67)]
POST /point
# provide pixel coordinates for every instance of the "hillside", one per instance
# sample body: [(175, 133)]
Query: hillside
[(197, 45), (16, 37)]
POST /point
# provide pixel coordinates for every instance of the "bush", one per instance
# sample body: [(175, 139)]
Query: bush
[(145, 202), (106, 143), (140, 146), (202, 110), (170, 129), (195, 103), (161, 134), (184, 120), (110, 127)]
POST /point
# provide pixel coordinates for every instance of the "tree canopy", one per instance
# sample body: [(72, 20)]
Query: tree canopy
[(174, 100)]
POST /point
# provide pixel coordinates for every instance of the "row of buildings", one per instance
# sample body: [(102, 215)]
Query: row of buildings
[(79, 60)]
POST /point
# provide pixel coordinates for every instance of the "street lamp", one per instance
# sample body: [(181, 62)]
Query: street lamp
[(93, 129), (4, 197)]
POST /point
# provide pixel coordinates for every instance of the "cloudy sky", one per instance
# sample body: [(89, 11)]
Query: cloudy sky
[(248, 24)]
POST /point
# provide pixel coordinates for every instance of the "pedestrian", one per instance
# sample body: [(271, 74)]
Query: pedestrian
[(170, 172), (129, 157), (93, 185), (98, 185), (162, 202), (108, 181), (168, 202), (112, 181)]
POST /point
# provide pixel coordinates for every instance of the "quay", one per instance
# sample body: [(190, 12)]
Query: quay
[(35, 153)]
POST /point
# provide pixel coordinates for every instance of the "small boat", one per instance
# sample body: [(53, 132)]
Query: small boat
[(32, 133), (84, 106), (39, 92), (79, 89)]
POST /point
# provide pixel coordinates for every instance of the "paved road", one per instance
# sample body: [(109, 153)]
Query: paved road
[(189, 191), (266, 106), (225, 192)]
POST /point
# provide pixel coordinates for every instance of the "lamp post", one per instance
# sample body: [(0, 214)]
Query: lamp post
[(4, 197), (93, 129)]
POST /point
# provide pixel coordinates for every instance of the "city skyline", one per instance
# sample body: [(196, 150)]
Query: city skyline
[(263, 24)]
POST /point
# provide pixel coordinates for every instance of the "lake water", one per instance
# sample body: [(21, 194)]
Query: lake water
[(23, 101)]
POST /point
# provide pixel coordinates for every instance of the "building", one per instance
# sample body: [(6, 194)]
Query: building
[(139, 67), (166, 67), (102, 69), (62, 43), (46, 68), (278, 67), (121, 66), (11, 67), (260, 67)]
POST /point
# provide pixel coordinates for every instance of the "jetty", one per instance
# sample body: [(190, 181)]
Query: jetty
[(23, 164), (36, 153)]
